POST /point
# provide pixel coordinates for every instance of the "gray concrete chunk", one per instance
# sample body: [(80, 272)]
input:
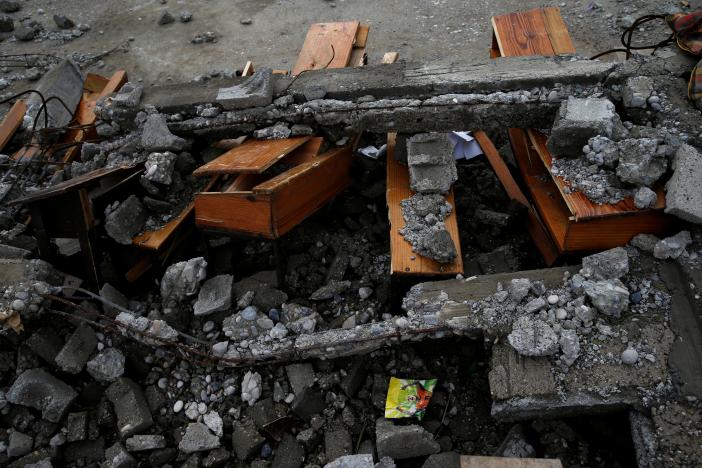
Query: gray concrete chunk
[(143, 442), (107, 366), (636, 91), (126, 220), (246, 440), (684, 191), (64, 81), (215, 295), (609, 297), (157, 138), (400, 442), (77, 350), (19, 444), (130, 406), (610, 264), (533, 337), (182, 279), (432, 168), (352, 461), (117, 457), (580, 119), (159, 167), (254, 92), (40, 390), (198, 438), (301, 376)]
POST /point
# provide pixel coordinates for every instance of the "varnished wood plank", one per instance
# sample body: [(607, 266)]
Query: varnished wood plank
[(235, 212), (302, 194), (248, 69), (12, 121), (502, 462), (252, 156), (305, 152), (578, 203), (327, 45), (557, 31), (402, 260), (361, 36), (522, 34), (614, 231), (500, 168), (243, 183)]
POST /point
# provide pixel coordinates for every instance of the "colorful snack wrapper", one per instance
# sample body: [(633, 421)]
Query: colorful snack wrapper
[(408, 398)]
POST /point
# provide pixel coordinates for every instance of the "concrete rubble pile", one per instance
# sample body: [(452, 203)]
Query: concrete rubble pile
[(219, 360)]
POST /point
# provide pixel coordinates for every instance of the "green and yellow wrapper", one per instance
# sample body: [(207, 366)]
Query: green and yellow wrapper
[(408, 398)]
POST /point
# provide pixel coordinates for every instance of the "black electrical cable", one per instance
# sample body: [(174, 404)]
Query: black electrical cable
[(628, 34)]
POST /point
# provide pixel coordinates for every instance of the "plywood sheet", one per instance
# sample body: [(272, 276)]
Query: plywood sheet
[(578, 204), (327, 45), (557, 31), (251, 157), (403, 260)]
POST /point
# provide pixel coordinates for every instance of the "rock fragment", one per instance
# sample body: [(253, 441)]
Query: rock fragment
[(165, 18), (131, 408), (141, 443), (352, 461), (126, 220), (251, 387), (117, 457), (610, 264), (77, 350), (630, 356), (580, 119), (636, 91), (182, 279), (19, 444), (290, 453), (533, 337), (609, 297), (159, 167), (198, 438), (257, 91), (645, 198), (401, 442), (246, 440), (40, 390), (7, 24), (684, 191), (215, 295), (672, 247), (156, 138), (432, 167), (640, 162), (9, 6), (107, 366), (63, 22)]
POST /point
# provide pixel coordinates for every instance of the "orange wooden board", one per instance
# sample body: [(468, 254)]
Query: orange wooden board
[(12, 121), (327, 45), (251, 157), (541, 31), (578, 204), (403, 260), (522, 33)]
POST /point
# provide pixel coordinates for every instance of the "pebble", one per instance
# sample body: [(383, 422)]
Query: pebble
[(630, 356), (208, 326), (201, 408), (561, 314), (553, 299), (162, 383), (246, 21), (178, 406)]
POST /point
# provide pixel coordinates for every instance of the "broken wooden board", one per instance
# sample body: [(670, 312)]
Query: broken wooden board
[(95, 87), (502, 462), (358, 53), (537, 230), (584, 235), (403, 261), (270, 207), (535, 32), (12, 121), (579, 205), (251, 157), (327, 45)]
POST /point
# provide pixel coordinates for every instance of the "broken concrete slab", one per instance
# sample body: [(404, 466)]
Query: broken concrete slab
[(432, 168), (400, 442), (156, 138), (640, 161), (64, 82), (636, 91), (254, 92), (182, 279), (131, 408), (215, 295), (533, 337), (300, 376), (77, 350), (42, 391), (126, 220), (514, 375), (580, 119), (198, 438), (683, 191)]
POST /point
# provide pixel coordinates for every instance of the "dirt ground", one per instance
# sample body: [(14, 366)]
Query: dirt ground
[(420, 30)]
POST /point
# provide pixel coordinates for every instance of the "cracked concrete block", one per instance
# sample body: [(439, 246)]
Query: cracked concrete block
[(198, 438), (636, 91), (77, 350), (157, 138), (640, 162), (215, 295), (684, 191), (432, 168), (42, 391), (580, 119), (401, 442), (131, 408), (255, 92)]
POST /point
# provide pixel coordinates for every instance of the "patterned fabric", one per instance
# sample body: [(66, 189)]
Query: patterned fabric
[(688, 34)]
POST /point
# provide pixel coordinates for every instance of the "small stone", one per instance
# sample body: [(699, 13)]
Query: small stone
[(178, 406), (63, 22), (185, 16), (246, 21), (533, 337), (645, 198), (630, 356), (107, 366), (553, 299), (251, 387), (672, 247), (165, 18)]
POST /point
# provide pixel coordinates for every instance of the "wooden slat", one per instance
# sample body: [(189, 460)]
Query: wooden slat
[(300, 196), (306, 162), (11, 122), (390, 57), (243, 183), (156, 239), (361, 36), (557, 31), (235, 212), (326, 45), (615, 231), (248, 69), (522, 34), (253, 156), (580, 206), (501, 462), (403, 261)]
